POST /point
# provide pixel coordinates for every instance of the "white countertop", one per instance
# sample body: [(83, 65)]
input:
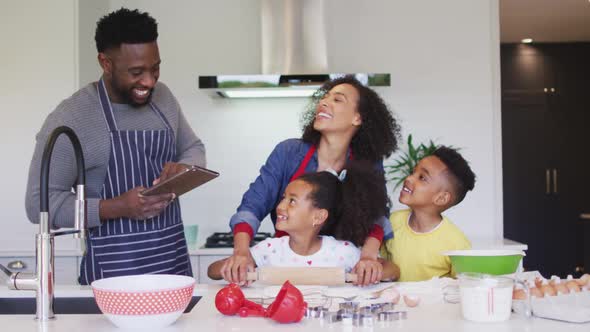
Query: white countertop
[(439, 316)]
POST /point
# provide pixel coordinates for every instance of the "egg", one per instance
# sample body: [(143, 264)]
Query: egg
[(547, 289), (411, 300), (584, 280), (518, 294), (573, 286), (562, 288), (536, 292), (390, 295), (559, 286), (538, 282)]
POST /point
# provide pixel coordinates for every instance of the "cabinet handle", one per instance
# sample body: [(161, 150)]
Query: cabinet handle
[(17, 265), (555, 181), (547, 182)]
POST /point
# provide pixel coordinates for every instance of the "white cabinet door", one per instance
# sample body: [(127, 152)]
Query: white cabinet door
[(204, 262), (195, 267), (66, 268)]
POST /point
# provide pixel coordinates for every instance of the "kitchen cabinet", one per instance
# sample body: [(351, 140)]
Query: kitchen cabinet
[(204, 262), (66, 267), (545, 118), (202, 258), (529, 78)]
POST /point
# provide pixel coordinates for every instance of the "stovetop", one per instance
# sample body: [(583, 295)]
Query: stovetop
[(226, 240)]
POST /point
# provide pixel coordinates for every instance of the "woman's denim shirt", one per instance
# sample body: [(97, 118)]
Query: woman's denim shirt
[(264, 194)]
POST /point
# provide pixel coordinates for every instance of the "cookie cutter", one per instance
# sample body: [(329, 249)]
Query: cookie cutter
[(379, 307), (316, 312), (330, 317), (366, 310), (365, 320), (345, 316), (392, 315), (349, 305)]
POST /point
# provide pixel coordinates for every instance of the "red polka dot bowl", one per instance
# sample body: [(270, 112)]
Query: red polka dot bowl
[(143, 301)]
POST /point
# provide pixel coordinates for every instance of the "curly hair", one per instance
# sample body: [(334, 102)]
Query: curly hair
[(354, 204), (462, 177), (125, 26), (377, 137)]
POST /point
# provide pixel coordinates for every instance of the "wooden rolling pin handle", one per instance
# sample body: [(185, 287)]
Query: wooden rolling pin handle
[(351, 277), (252, 276)]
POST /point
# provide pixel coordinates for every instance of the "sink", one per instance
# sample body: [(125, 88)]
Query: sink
[(61, 305)]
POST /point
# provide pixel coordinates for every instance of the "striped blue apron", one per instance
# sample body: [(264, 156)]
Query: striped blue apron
[(124, 246)]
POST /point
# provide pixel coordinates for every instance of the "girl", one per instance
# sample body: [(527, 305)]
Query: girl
[(317, 204)]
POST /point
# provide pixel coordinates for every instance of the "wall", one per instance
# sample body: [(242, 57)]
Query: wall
[(89, 12), (443, 59), (38, 63)]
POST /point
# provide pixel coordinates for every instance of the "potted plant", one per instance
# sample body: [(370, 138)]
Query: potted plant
[(405, 163)]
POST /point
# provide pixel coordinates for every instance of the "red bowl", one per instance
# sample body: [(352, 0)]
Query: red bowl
[(289, 306)]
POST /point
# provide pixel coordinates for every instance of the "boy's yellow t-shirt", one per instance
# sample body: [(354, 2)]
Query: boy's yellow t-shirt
[(418, 255)]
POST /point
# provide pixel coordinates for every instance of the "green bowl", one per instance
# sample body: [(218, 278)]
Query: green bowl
[(494, 262)]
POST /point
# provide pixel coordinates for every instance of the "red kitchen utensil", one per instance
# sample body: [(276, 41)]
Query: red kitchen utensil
[(288, 306), (230, 299), (252, 312)]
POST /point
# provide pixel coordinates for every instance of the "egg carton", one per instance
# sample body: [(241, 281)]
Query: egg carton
[(573, 307)]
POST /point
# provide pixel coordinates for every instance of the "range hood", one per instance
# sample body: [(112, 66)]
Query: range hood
[(294, 56)]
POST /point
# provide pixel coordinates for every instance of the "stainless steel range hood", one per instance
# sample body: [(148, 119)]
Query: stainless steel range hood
[(294, 56)]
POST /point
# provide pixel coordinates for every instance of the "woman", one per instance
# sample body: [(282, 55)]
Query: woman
[(348, 121)]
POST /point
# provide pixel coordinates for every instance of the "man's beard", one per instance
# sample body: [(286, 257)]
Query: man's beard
[(126, 95)]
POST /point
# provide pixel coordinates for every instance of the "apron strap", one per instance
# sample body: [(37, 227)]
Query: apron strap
[(301, 169), (304, 163), (161, 115), (106, 106)]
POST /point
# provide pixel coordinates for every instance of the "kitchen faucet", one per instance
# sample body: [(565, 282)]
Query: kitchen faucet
[(43, 281)]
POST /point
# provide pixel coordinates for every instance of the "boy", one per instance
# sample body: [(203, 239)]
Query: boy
[(438, 182)]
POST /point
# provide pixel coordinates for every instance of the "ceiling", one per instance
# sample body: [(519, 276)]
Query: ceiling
[(544, 20)]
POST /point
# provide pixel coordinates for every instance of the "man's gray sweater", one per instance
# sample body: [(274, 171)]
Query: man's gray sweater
[(82, 112)]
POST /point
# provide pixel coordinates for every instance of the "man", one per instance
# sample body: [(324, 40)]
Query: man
[(133, 134)]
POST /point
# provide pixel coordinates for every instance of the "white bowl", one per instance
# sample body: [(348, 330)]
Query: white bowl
[(143, 301)]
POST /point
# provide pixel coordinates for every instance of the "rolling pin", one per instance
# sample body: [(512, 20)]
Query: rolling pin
[(328, 276)]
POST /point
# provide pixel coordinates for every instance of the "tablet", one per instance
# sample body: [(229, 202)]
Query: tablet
[(182, 182)]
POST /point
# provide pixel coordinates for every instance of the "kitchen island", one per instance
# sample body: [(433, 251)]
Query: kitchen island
[(439, 316)]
